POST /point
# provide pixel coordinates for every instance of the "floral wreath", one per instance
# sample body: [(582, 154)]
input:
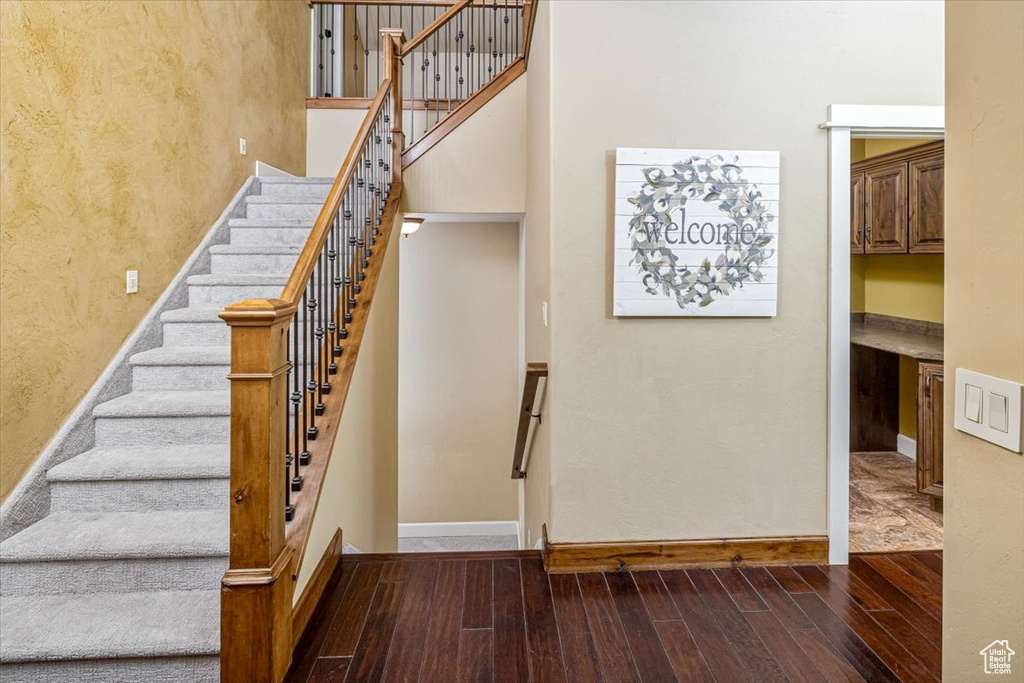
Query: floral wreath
[(667, 189)]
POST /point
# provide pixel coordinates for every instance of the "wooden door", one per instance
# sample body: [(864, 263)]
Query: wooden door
[(885, 205), (857, 213), (930, 394), (926, 212)]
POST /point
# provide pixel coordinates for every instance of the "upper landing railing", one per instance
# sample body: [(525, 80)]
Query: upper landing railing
[(455, 50)]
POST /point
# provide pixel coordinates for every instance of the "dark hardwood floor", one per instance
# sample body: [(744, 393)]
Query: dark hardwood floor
[(499, 617)]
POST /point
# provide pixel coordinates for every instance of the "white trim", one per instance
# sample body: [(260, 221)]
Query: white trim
[(434, 529), (906, 446), (839, 347), (867, 119), (844, 122), (265, 170)]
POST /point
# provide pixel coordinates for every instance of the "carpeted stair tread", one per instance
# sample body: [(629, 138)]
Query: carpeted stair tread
[(237, 279), (109, 626), (193, 314), (295, 180), (184, 355), (263, 199), (119, 535), (167, 404), (258, 249), (135, 463), (269, 223)]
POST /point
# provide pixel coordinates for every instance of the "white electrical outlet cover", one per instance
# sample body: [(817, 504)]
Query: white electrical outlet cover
[(243, 146), (1005, 434), (131, 282)]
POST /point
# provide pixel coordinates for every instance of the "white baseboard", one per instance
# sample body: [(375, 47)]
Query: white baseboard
[(265, 170), (906, 446), (433, 529)]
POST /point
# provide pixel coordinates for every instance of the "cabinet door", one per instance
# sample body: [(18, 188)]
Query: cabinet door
[(857, 213), (931, 390), (926, 214), (885, 204)]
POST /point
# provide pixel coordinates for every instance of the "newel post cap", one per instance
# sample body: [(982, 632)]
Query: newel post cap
[(258, 312)]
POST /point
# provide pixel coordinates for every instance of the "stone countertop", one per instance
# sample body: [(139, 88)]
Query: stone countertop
[(914, 338)]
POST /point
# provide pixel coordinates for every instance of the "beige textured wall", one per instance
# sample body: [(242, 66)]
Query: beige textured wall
[(119, 127), (360, 493), (677, 428), (480, 167), (983, 582), (459, 372), (329, 135), (536, 486)]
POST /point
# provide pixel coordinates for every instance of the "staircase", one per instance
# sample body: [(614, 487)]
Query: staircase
[(121, 581)]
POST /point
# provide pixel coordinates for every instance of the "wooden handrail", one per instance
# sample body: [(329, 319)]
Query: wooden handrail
[(433, 26), (417, 3), (534, 371), (257, 591), (315, 242)]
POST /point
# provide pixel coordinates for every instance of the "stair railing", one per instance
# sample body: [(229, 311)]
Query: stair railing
[(472, 47), (291, 365)]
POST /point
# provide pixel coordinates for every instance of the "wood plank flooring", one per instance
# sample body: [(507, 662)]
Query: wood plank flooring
[(499, 617)]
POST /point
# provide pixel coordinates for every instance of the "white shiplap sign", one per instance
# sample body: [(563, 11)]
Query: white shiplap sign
[(696, 232)]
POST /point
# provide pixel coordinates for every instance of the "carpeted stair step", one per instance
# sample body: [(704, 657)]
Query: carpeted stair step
[(177, 368), (195, 326), (269, 259), (116, 552), (272, 231), (296, 188), (198, 326), (223, 290), (142, 479), (163, 417), (276, 207), (158, 637)]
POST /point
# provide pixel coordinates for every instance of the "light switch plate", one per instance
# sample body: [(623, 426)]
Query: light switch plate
[(131, 282), (992, 389)]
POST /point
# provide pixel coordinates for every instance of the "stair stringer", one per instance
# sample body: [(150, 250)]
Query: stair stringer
[(29, 501)]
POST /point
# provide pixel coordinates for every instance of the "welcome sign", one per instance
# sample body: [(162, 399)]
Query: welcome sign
[(696, 232)]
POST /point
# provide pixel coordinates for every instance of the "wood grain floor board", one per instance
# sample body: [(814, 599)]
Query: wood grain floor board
[(498, 617)]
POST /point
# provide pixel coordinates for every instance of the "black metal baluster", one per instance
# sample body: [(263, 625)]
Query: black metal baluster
[(458, 57), (289, 457), (355, 58), (330, 54), (437, 77), (492, 53), (366, 54), (505, 52), (350, 250), (335, 328), (447, 63), (320, 355), (308, 368)]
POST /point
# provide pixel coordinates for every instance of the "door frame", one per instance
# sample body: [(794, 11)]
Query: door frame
[(843, 123)]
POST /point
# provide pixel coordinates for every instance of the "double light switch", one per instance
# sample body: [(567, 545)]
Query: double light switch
[(989, 408)]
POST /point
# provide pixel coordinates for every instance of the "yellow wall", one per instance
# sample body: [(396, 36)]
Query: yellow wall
[(983, 578), (119, 127)]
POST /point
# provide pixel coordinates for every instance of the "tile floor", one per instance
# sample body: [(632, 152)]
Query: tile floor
[(887, 514)]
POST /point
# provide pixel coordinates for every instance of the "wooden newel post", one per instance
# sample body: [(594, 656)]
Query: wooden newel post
[(392, 40), (256, 592)]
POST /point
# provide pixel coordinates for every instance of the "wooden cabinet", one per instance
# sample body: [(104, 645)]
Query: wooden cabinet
[(926, 211), (930, 394), (896, 202), (885, 209), (857, 213)]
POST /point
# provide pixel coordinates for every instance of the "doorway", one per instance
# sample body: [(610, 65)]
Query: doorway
[(896, 344), (459, 369), (847, 123)]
